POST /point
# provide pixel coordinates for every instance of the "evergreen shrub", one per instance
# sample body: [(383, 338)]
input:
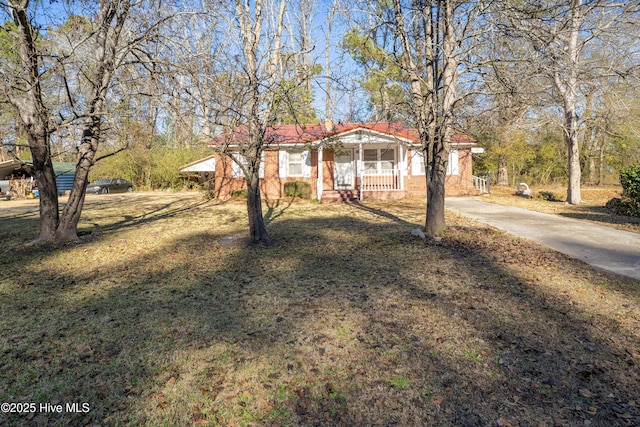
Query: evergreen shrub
[(297, 189)]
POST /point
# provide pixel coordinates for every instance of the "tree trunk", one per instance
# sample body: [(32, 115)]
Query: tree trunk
[(424, 105), (503, 170), (601, 159), (251, 33), (257, 228), (568, 88), (435, 223), (34, 118), (327, 65), (592, 167), (573, 153), (68, 228), (108, 36), (47, 187)]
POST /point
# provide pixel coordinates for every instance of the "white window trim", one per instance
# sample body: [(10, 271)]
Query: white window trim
[(290, 163), (452, 165), (417, 159), (417, 163), (236, 170), (283, 164)]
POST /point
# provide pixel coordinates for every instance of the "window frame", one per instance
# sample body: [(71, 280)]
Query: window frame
[(366, 164), (236, 170), (301, 163), (453, 165), (284, 162)]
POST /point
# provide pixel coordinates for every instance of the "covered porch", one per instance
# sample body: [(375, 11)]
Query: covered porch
[(366, 169)]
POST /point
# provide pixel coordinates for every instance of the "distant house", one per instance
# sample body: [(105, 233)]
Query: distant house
[(23, 171), (9, 167), (340, 162), (65, 175), (201, 171)]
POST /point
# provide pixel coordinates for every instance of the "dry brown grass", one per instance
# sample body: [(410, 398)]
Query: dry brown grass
[(163, 315)]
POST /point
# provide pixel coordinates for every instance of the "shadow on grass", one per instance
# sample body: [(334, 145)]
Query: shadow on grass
[(164, 211), (601, 215), (344, 321), (26, 224), (275, 210), (382, 213)]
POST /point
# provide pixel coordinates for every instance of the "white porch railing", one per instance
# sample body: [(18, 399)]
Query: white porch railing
[(385, 179), (483, 185)]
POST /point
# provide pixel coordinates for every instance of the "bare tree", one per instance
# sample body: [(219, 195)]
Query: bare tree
[(499, 112), (429, 41), (250, 74), (81, 73), (250, 26), (23, 90), (558, 35), (327, 63)]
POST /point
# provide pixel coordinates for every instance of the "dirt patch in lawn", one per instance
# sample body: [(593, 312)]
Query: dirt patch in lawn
[(163, 315)]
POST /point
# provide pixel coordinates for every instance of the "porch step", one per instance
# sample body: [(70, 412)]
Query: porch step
[(340, 195)]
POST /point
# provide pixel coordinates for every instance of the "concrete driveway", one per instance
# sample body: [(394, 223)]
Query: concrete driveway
[(601, 246)]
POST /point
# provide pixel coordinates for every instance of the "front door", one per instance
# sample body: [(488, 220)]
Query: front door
[(343, 175)]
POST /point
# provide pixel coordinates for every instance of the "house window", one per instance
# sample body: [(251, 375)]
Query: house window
[(236, 170), (378, 159), (370, 158), (417, 163), (294, 163), (387, 159)]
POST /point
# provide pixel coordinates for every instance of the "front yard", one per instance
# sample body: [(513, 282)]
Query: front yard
[(163, 315)]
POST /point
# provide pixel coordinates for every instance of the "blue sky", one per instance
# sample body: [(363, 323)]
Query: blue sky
[(343, 69)]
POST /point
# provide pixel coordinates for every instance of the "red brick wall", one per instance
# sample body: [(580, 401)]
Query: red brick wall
[(327, 169), (272, 186), (461, 184), (455, 185), (224, 182)]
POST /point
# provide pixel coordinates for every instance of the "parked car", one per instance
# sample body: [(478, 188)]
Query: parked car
[(110, 185)]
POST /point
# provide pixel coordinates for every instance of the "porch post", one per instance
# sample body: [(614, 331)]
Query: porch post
[(319, 183), (359, 169), (401, 165)]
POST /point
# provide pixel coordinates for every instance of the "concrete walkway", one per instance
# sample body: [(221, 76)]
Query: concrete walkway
[(601, 246)]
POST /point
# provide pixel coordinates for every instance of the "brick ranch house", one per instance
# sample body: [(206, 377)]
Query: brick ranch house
[(340, 162)]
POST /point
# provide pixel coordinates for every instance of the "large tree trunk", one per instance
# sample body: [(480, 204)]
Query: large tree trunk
[(108, 37), (251, 33), (424, 104), (435, 223), (47, 187), (573, 151), (68, 227), (567, 85), (35, 120), (257, 228)]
